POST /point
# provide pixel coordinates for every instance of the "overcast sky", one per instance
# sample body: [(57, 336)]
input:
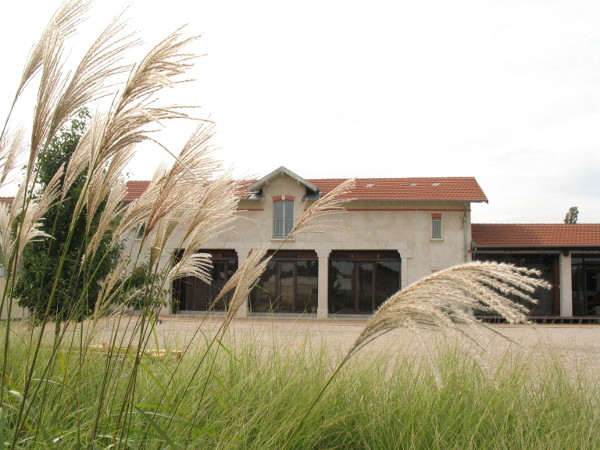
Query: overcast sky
[(506, 91)]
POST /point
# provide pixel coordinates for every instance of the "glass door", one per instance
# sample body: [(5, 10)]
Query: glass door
[(287, 286), (361, 281), (586, 285)]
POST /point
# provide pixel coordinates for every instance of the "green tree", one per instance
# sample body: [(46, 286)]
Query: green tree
[(78, 282), (571, 216)]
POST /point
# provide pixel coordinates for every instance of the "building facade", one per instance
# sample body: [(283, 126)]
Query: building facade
[(395, 231)]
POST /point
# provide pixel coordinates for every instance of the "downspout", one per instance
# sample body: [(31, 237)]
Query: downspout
[(465, 234)]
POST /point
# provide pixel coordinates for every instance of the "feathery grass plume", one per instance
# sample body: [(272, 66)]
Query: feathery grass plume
[(102, 182), (163, 232), (182, 185), (112, 209), (441, 300), (184, 196), (129, 127), (60, 97), (65, 22), (173, 194), (95, 69), (6, 233), (243, 280), (86, 150), (109, 291), (133, 111), (12, 243), (8, 218), (34, 213), (198, 265), (157, 70), (212, 215), (51, 86), (12, 145), (333, 202), (206, 215), (137, 212)]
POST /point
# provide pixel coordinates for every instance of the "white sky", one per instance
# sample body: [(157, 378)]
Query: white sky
[(507, 91)]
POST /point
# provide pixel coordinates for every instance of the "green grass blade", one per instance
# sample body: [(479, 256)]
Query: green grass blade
[(224, 347), (2, 426), (158, 429)]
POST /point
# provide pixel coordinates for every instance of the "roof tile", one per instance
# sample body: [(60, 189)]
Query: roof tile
[(410, 189)]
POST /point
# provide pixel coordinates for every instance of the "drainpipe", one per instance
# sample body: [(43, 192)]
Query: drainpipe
[(465, 236)]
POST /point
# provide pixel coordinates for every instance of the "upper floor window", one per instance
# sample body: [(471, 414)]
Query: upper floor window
[(436, 226), (283, 217)]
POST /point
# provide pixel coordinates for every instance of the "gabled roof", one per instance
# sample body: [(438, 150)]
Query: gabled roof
[(366, 189), (497, 235), (257, 185)]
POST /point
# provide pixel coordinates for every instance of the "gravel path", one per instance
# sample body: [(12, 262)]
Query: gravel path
[(577, 347)]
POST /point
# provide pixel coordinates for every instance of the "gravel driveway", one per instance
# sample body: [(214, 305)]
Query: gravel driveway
[(576, 346)]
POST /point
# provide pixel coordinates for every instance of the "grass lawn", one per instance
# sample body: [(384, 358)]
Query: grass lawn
[(252, 392)]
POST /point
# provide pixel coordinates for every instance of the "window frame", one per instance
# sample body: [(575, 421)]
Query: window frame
[(436, 227), (282, 214)]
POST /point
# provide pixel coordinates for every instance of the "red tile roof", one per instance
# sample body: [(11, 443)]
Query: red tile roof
[(536, 235), (135, 189), (459, 189), (409, 189), (6, 200)]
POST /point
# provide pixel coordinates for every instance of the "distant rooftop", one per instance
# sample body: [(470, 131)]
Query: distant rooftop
[(499, 235)]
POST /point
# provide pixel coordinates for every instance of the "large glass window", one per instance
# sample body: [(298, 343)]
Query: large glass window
[(289, 284), (361, 281), (193, 294), (283, 218), (547, 264), (586, 284)]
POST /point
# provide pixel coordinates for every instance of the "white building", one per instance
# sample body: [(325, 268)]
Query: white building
[(395, 231)]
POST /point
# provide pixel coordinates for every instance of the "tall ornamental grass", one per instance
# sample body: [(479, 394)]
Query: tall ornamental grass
[(68, 392), (252, 395)]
